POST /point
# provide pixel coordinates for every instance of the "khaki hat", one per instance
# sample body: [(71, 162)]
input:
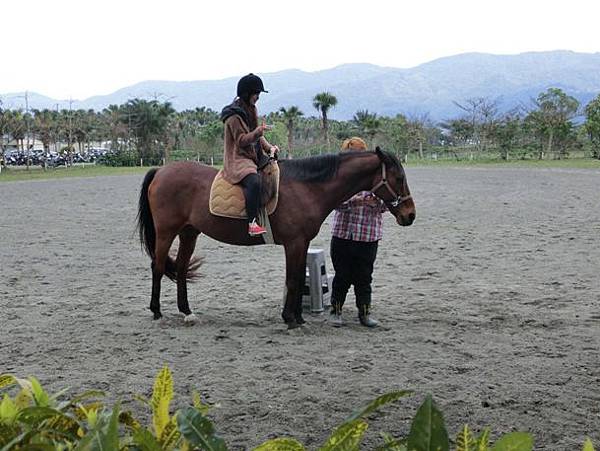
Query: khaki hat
[(354, 143)]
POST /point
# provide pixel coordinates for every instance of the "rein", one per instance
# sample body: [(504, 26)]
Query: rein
[(397, 199)]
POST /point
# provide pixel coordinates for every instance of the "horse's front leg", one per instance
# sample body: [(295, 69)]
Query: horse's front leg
[(295, 274)]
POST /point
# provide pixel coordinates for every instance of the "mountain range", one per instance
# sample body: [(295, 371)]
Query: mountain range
[(430, 88)]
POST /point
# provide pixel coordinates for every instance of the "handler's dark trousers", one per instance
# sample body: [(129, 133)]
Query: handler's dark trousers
[(251, 187), (353, 264)]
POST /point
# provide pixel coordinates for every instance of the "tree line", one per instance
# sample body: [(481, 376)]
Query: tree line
[(553, 126)]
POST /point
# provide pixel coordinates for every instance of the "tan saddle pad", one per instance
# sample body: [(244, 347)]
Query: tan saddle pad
[(228, 200)]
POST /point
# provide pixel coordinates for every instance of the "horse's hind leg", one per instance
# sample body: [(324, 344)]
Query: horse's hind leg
[(161, 252), (187, 243)]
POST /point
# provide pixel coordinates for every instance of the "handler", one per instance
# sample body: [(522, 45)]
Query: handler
[(245, 146), (356, 231)]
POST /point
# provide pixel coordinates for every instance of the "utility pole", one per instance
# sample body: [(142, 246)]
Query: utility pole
[(69, 155), (28, 126), (28, 123), (57, 135)]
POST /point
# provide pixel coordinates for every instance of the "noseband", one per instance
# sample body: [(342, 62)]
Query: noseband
[(397, 199)]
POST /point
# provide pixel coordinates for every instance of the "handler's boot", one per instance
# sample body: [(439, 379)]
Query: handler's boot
[(335, 316), (364, 316), (255, 229)]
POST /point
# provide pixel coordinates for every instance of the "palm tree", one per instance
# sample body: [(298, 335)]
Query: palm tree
[(82, 127), (17, 127), (114, 123), (322, 103), (65, 125), (150, 121), (4, 131), (368, 123), (44, 127), (290, 116)]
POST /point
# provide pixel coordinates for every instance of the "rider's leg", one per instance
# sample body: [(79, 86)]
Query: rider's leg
[(251, 187)]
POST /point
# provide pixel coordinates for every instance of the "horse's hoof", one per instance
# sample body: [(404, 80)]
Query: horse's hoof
[(190, 319), (157, 316), (300, 320)]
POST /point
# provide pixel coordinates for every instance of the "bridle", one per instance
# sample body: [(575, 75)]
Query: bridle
[(397, 199)]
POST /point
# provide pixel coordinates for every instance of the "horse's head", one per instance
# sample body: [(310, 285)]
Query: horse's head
[(390, 186)]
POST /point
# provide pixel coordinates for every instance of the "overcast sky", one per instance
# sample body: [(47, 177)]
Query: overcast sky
[(77, 49)]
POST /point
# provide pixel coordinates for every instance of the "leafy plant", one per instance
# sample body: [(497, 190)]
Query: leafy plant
[(37, 420)]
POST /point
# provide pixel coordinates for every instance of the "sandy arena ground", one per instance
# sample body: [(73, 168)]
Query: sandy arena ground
[(490, 301)]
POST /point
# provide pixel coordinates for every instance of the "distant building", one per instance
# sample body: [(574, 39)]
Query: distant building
[(35, 145)]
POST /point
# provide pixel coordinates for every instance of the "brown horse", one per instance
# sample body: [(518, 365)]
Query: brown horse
[(174, 202)]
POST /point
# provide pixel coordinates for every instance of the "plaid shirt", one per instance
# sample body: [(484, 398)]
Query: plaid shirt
[(356, 220)]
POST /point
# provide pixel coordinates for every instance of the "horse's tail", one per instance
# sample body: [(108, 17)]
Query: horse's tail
[(145, 222), (147, 232)]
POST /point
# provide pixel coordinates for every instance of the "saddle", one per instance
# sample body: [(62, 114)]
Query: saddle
[(228, 200)]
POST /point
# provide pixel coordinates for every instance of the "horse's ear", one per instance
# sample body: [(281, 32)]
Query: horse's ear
[(382, 156)]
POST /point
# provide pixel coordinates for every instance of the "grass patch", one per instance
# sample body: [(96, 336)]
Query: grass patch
[(579, 163), (12, 174)]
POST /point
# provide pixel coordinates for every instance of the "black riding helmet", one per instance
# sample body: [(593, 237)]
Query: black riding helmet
[(248, 85)]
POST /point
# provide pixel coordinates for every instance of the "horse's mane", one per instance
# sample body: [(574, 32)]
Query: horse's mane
[(323, 167), (312, 169), (393, 159)]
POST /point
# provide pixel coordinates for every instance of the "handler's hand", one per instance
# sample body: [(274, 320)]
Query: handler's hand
[(371, 200)]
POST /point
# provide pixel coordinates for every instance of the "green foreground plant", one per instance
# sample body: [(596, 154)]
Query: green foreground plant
[(35, 420)]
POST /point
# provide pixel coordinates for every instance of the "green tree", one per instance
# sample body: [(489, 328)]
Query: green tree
[(17, 127), (149, 121), (481, 114), (114, 126), (507, 131), (551, 120), (323, 102), (209, 136), (290, 117), (4, 132), (592, 125), (459, 131), (83, 126), (417, 128), (64, 126), (368, 123), (44, 127), (202, 116), (395, 131)]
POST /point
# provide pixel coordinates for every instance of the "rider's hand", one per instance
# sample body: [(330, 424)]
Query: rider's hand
[(264, 127), (260, 130), (273, 151)]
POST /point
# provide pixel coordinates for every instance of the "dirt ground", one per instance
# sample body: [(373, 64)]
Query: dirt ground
[(490, 301)]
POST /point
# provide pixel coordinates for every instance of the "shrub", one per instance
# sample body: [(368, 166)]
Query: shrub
[(36, 420)]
